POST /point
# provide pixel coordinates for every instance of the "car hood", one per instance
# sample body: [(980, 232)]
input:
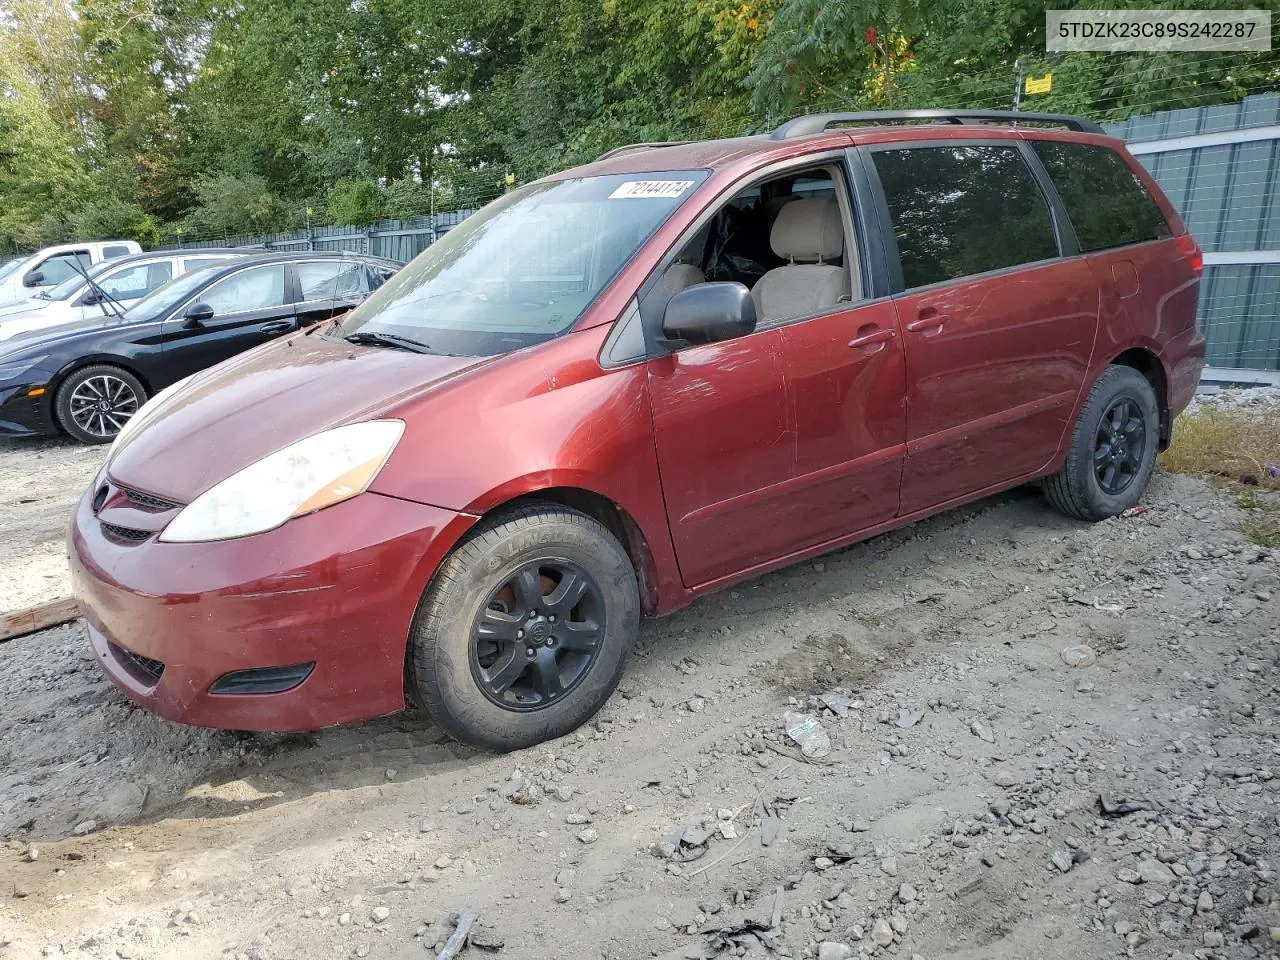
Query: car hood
[(31, 305), (225, 418)]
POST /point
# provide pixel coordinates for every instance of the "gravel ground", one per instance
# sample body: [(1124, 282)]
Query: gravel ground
[(999, 670), (40, 482)]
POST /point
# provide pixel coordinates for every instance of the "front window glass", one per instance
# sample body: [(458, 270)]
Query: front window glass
[(64, 265), (255, 289), (68, 287), (524, 268), (132, 283)]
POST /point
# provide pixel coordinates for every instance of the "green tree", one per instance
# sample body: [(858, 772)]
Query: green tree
[(229, 205), (357, 202)]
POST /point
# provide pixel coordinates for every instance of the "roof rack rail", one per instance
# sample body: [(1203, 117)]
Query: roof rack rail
[(817, 122), (632, 147)]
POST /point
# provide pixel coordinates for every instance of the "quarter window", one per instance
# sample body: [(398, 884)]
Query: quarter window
[(963, 210), (1106, 202), (254, 289)]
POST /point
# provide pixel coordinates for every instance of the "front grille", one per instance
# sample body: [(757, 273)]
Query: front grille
[(127, 534), (147, 501), (143, 668)]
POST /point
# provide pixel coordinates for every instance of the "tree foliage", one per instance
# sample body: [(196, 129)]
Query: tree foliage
[(233, 116)]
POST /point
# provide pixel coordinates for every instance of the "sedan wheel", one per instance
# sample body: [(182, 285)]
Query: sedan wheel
[(94, 403)]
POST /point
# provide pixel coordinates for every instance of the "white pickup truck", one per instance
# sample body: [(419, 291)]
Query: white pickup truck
[(27, 276)]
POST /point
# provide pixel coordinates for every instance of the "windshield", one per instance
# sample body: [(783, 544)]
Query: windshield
[(72, 285), (523, 269), (8, 269), (163, 299)]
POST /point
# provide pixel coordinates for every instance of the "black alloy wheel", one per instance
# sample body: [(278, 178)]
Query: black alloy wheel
[(1119, 446), (525, 628), (538, 634), (1112, 448)]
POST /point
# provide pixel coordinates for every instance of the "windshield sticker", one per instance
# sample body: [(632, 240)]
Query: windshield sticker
[(650, 189)]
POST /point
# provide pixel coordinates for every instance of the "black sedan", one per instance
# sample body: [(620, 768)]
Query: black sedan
[(86, 379)]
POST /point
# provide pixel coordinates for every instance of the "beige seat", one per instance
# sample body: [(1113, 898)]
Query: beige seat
[(680, 276), (809, 234)]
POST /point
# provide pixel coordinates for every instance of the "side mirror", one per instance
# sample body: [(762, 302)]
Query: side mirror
[(90, 299), (196, 314), (708, 312), (33, 278)]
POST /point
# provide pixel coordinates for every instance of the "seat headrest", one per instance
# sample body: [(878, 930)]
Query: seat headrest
[(808, 229)]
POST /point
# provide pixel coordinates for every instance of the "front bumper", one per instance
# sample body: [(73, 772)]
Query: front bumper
[(22, 415), (337, 589)]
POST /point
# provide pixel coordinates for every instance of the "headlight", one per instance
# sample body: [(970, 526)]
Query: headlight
[(143, 414), (306, 476)]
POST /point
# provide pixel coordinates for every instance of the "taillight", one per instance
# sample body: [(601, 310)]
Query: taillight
[(1190, 251)]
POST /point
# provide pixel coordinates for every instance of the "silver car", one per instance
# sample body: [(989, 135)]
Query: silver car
[(116, 285)]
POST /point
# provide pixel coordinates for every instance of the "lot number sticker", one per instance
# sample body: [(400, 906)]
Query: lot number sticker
[(650, 189)]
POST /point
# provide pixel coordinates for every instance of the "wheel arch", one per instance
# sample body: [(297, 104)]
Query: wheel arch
[(615, 518), (105, 360), (1148, 363)]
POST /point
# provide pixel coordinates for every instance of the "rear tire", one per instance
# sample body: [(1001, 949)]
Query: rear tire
[(524, 631), (94, 402), (1113, 449)]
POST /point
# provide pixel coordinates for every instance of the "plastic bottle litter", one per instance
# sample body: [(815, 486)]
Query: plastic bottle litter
[(805, 730), (1079, 656)]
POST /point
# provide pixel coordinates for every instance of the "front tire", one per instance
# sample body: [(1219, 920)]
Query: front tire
[(96, 401), (524, 632), (1113, 449)]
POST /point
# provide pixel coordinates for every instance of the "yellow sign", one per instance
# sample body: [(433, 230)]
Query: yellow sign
[(1039, 84)]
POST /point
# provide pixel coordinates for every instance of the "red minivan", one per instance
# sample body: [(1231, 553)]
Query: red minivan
[(626, 385)]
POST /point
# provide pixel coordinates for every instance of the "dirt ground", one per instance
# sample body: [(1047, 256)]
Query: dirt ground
[(957, 815), (40, 482)]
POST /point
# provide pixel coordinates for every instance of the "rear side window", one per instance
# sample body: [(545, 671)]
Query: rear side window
[(331, 279), (1107, 204), (109, 252), (963, 210)]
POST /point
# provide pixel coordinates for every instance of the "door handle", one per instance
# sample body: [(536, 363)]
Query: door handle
[(929, 324), (872, 336), (276, 326)]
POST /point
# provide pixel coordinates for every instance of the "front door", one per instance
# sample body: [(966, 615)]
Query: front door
[(998, 329), (249, 307), (725, 444)]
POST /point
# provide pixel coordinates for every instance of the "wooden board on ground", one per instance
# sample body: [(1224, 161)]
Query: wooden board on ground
[(21, 622)]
